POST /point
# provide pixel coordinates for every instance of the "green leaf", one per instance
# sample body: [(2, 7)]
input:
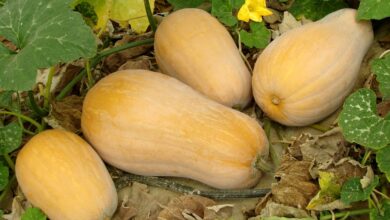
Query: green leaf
[(45, 32), (7, 102), (373, 9), (33, 214), (259, 36), (385, 212), (10, 137), (101, 8), (88, 12), (359, 122), (383, 160), (223, 10), (4, 175), (179, 4), (237, 4), (329, 190), (381, 68), (315, 9), (352, 190)]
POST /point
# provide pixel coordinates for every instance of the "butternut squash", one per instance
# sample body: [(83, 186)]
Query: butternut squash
[(305, 75), (151, 124), (61, 174), (192, 46)]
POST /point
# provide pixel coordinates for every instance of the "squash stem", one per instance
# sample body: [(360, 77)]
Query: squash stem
[(167, 184), (264, 165), (149, 13), (96, 60), (26, 118), (48, 88)]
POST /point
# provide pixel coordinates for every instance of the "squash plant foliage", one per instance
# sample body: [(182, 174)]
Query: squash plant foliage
[(44, 33)]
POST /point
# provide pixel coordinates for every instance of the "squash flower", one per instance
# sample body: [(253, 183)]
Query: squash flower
[(253, 10)]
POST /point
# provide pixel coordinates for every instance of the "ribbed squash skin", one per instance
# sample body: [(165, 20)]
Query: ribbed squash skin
[(192, 46), (148, 123), (305, 75), (61, 174)]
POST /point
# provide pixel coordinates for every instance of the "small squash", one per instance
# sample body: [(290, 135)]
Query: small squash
[(192, 46), (151, 124), (61, 174), (305, 75)]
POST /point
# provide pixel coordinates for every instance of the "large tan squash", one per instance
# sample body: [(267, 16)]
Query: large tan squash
[(152, 124), (192, 46), (305, 75), (62, 175)]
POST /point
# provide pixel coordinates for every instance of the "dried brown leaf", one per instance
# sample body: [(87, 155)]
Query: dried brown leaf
[(162, 6), (295, 187), (223, 211), (66, 113), (191, 204), (8, 44), (275, 209), (144, 64), (114, 61), (383, 108), (139, 202), (347, 168)]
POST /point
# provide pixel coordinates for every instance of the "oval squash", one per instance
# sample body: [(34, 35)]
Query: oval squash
[(61, 174), (148, 123), (305, 75), (192, 46)]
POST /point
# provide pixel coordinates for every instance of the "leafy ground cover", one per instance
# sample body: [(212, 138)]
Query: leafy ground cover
[(336, 169)]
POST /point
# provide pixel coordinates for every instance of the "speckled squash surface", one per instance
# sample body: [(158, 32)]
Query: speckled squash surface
[(305, 74), (149, 123), (61, 174), (192, 46)]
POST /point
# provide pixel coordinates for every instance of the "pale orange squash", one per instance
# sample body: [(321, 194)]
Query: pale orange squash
[(305, 75), (61, 174), (192, 46), (151, 124)]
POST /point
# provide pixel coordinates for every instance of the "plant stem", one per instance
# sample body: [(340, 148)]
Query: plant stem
[(9, 161), (89, 74), (149, 13), (180, 188), (7, 188), (240, 50), (117, 49), (382, 194), (26, 118), (34, 105), (366, 156), (28, 132), (48, 87), (349, 213), (96, 60)]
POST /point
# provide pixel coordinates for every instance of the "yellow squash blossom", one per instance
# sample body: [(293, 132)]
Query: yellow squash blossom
[(253, 10)]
